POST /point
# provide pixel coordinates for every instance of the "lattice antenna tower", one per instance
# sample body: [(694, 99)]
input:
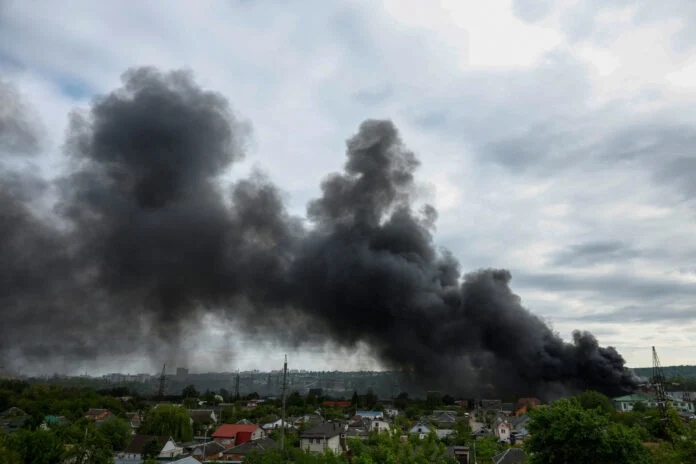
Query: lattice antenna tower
[(162, 383)]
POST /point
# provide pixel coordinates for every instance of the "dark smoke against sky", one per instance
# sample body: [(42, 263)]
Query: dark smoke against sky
[(144, 241)]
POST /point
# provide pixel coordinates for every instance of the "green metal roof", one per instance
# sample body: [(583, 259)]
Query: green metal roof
[(635, 397)]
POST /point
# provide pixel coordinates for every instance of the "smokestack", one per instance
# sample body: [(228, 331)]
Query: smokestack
[(146, 242)]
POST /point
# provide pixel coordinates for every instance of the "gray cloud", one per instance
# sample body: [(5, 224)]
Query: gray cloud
[(20, 130), (582, 21), (372, 96), (593, 253), (640, 314), (615, 287)]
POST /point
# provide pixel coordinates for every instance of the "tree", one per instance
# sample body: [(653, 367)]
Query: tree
[(370, 399), (595, 400), (355, 401), (190, 392), (433, 400), (93, 448), (190, 403), (640, 407), (37, 447), (568, 433), (151, 449), (401, 401), (169, 420), (117, 433), (7, 454)]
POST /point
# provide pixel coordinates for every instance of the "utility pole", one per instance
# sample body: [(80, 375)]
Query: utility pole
[(282, 397)]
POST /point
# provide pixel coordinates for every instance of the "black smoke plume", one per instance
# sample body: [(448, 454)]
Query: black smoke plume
[(145, 238)]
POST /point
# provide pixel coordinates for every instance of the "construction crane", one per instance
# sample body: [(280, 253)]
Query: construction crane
[(658, 382)]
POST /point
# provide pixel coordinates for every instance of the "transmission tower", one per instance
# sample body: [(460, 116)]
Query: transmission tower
[(658, 381), (162, 383)]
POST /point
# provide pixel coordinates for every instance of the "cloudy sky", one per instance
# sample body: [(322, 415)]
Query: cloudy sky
[(556, 137)]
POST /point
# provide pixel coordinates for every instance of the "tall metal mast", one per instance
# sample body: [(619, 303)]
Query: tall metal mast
[(282, 425)]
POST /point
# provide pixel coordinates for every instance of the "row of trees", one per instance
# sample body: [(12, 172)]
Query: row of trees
[(587, 428), (80, 442)]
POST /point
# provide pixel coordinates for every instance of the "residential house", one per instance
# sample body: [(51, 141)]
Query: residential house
[(230, 435), (271, 426), (519, 431), (481, 432), (421, 429), (97, 414), (391, 412), (186, 460), (503, 431), (13, 419), (510, 456), (493, 405), (626, 403), (369, 415), (210, 451), (358, 433), (325, 436), (460, 453), (134, 420), (444, 433), (238, 453), (251, 404), (444, 419), (307, 421), (682, 403), (507, 408), (683, 395), (134, 451), (519, 436), (203, 416), (50, 421), (378, 425), (525, 401)]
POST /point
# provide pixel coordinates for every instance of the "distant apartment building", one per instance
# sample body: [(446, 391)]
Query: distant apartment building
[(126, 378)]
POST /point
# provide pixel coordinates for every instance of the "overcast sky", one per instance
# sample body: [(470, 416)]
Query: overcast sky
[(556, 137)]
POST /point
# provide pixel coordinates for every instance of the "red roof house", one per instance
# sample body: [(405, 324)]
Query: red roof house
[(337, 404), (229, 435)]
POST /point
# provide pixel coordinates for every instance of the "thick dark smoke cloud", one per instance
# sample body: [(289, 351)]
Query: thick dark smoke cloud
[(145, 239)]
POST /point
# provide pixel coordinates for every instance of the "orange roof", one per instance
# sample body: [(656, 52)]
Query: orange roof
[(231, 430)]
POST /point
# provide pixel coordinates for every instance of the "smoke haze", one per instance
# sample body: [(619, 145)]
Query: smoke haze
[(145, 238)]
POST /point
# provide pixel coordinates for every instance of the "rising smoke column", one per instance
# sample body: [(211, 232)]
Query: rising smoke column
[(147, 239), (372, 273)]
